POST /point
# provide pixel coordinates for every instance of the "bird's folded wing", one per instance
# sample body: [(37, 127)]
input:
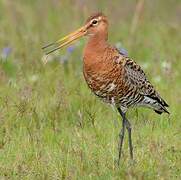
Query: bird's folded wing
[(136, 77)]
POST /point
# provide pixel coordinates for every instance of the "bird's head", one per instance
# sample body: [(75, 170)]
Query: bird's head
[(95, 24)]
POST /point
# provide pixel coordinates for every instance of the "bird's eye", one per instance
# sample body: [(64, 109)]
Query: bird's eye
[(94, 22)]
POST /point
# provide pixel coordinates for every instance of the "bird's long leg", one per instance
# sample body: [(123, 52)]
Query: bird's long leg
[(128, 127), (126, 123), (121, 135)]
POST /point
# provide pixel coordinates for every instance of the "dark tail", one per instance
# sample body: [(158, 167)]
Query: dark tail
[(162, 109), (162, 104)]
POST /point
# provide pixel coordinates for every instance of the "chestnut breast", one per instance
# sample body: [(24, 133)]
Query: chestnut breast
[(103, 74)]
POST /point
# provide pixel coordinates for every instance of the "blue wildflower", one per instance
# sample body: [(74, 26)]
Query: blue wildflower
[(6, 52), (123, 51), (120, 48), (70, 49)]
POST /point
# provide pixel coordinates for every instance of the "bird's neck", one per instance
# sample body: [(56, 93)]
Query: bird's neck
[(94, 54), (95, 47)]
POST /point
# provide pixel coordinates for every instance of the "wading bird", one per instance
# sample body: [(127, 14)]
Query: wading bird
[(113, 77)]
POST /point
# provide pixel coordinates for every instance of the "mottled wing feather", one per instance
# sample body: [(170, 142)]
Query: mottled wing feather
[(136, 77)]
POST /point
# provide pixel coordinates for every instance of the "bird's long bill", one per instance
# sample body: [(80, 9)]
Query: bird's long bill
[(64, 41)]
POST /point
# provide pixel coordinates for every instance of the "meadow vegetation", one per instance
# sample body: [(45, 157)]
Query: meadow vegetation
[(52, 126)]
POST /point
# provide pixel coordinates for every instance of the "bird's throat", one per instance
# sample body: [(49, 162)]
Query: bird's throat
[(96, 45), (98, 40)]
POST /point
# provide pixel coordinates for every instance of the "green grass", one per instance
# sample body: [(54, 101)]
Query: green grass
[(52, 126)]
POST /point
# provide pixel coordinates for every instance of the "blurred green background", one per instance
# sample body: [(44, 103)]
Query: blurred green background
[(52, 126)]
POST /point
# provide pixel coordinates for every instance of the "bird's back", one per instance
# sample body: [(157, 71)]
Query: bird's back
[(118, 80)]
